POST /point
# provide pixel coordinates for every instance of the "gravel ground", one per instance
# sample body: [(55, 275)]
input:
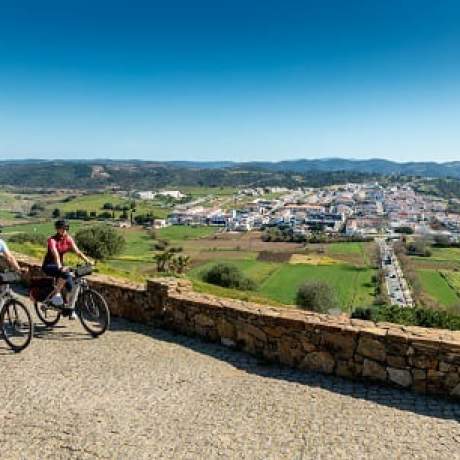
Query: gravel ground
[(138, 393)]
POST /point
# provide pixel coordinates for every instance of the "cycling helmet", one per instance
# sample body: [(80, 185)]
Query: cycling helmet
[(61, 224)]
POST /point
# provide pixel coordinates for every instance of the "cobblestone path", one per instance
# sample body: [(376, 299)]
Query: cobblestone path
[(137, 393)]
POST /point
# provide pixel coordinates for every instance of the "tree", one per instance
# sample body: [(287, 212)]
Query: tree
[(56, 213), (419, 247), (166, 259), (228, 275), (179, 264), (404, 230), (100, 241), (107, 206), (318, 296)]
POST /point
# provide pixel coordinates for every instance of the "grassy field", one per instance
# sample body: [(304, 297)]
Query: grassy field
[(183, 232), (437, 275), (436, 286), (279, 282)]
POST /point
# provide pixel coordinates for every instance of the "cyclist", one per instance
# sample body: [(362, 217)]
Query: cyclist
[(53, 265), (5, 252)]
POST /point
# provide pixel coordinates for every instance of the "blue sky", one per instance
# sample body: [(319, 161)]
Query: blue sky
[(230, 79)]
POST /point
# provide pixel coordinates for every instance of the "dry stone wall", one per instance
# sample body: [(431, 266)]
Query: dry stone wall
[(424, 360)]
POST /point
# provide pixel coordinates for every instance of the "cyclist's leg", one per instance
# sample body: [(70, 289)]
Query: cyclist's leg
[(60, 276), (67, 280)]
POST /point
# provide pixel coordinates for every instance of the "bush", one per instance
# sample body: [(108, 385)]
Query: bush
[(317, 296), (423, 317), (100, 241), (230, 276), (34, 238), (404, 230)]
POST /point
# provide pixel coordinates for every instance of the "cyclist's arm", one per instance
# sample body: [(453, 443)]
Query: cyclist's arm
[(80, 254), (12, 262)]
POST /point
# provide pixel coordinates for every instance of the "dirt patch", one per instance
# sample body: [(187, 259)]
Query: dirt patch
[(311, 259), (270, 256)]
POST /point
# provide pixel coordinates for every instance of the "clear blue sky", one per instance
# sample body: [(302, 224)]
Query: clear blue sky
[(230, 79)]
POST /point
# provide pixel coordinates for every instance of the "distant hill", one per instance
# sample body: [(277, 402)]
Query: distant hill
[(373, 166), (137, 174), (424, 169), (149, 175)]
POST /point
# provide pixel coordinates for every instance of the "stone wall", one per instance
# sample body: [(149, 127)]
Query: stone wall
[(424, 360)]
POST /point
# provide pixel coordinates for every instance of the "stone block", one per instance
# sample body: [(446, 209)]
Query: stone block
[(226, 329), (203, 320), (341, 344), (419, 374), (227, 342), (371, 348), (456, 391), (435, 377), (374, 370), (396, 361), (424, 361), (401, 377), (452, 379), (445, 367), (290, 351), (348, 369), (320, 361)]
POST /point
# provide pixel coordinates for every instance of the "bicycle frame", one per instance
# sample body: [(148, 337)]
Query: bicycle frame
[(80, 284)]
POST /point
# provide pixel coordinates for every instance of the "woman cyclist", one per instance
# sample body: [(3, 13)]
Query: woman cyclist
[(53, 264)]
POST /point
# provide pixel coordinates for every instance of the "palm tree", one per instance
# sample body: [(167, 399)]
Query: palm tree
[(180, 263)]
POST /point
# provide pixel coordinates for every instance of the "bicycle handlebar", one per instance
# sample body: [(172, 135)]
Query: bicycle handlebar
[(82, 270)]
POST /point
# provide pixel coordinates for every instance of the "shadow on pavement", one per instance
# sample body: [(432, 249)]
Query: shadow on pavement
[(392, 397)]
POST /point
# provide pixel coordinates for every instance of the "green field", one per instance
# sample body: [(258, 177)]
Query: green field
[(435, 285), (184, 232), (279, 282)]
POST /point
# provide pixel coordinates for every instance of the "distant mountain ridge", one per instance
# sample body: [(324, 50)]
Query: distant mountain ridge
[(154, 174), (373, 166)]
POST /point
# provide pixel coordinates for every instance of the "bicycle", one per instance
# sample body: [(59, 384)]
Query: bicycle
[(90, 307), (15, 320)]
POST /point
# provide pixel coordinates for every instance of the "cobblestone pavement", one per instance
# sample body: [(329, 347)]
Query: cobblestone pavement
[(137, 393)]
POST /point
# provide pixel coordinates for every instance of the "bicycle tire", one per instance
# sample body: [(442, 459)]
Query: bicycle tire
[(85, 308), (9, 320), (47, 321)]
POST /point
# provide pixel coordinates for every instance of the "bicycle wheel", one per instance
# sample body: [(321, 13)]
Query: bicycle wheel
[(48, 316), (93, 312), (16, 324)]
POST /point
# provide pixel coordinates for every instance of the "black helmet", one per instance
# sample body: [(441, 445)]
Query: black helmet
[(61, 223)]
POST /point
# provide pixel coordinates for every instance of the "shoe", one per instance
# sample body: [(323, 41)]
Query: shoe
[(69, 312)]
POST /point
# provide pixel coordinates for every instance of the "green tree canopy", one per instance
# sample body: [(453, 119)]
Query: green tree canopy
[(318, 296), (100, 241)]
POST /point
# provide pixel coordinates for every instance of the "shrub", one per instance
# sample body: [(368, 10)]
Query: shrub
[(34, 238), (100, 241), (317, 296), (424, 317), (404, 230), (230, 276)]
